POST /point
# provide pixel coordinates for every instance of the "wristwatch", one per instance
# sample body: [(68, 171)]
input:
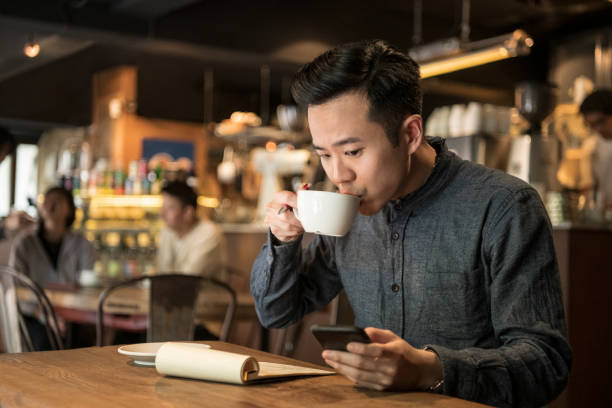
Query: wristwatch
[(438, 385)]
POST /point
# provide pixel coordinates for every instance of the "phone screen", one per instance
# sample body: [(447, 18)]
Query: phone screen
[(337, 337)]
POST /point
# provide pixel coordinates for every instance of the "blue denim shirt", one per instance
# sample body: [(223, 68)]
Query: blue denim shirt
[(464, 265)]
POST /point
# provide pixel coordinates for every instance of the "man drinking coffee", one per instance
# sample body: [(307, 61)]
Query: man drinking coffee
[(449, 265)]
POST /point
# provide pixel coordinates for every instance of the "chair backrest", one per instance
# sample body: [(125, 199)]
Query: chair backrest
[(341, 312), (172, 304), (14, 332)]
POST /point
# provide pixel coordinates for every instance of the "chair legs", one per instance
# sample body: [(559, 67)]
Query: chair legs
[(287, 340), (25, 334)]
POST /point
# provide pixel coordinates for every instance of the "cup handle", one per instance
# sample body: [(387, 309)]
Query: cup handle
[(293, 210)]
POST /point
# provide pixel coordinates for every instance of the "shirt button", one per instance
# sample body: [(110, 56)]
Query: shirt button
[(266, 273), (395, 236), (395, 287)]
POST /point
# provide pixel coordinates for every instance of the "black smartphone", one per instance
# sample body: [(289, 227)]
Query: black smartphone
[(337, 337)]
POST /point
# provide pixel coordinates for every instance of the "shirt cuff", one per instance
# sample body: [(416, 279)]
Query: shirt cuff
[(457, 372)]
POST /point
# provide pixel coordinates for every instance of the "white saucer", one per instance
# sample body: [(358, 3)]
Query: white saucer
[(144, 353)]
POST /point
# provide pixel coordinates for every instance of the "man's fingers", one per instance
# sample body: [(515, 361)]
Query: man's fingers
[(377, 387), (371, 350), (379, 335), (367, 378), (285, 220), (286, 198), (351, 360), (283, 209)]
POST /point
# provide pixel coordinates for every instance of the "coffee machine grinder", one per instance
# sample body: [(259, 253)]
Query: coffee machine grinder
[(534, 156)]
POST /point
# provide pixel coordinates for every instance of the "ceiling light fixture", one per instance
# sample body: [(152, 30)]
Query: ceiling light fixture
[(31, 48), (469, 55), (455, 54)]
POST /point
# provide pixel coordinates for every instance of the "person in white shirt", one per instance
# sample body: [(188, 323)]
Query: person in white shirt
[(188, 244), (597, 111)]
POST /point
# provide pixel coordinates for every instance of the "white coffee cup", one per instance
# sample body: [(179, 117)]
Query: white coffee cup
[(88, 278), (326, 213)]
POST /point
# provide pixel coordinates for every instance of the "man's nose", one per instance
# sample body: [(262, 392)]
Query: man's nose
[(340, 173)]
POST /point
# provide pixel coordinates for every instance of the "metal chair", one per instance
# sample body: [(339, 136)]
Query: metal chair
[(172, 303), (15, 335)]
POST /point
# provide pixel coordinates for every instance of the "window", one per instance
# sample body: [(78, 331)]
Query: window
[(26, 177), (5, 186)]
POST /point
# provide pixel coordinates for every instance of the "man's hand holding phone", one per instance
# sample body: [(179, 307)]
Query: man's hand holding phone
[(385, 362), (337, 337)]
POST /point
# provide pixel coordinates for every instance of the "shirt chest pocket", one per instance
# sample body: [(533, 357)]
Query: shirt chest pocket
[(459, 300)]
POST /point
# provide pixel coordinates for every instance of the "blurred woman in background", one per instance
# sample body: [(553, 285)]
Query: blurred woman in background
[(52, 253)]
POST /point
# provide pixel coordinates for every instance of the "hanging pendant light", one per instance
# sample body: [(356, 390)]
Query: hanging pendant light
[(31, 48), (515, 44), (454, 54)]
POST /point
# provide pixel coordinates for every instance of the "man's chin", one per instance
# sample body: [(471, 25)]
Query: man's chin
[(366, 209)]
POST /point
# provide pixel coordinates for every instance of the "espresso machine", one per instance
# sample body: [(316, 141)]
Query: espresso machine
[(273, 164), (534, 156)]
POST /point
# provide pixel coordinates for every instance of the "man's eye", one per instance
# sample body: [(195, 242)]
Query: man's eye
[(324, 156), (353, 152)]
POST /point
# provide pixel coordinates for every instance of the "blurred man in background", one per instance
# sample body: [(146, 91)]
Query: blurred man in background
[(188, 244)]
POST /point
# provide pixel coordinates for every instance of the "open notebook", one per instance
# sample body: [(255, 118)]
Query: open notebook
[(185, 360)]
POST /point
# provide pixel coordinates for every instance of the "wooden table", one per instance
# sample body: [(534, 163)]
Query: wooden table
[(100, 377), (127, 308)]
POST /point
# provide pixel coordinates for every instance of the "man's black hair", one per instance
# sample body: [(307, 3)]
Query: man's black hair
[(7, 139), (67, 196), (181, 191), (388, 77), (599, 101)]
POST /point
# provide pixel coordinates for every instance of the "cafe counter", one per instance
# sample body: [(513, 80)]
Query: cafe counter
[(584, 253)]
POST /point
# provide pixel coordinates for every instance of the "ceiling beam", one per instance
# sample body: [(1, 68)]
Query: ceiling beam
[(149, 45)]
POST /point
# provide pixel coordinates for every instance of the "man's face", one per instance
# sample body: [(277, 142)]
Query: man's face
[(173, 212), (600, 123), (355, 152)]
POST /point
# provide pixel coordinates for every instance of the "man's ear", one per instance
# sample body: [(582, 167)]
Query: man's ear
[(411, 132)]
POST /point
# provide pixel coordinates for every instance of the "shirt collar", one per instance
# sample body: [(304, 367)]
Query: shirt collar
[(440, 175)]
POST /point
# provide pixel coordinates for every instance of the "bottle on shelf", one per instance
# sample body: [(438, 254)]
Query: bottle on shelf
[(119, 182), (141, 184), (83, 171), (107, 182), (156, 177), (131, 179)]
